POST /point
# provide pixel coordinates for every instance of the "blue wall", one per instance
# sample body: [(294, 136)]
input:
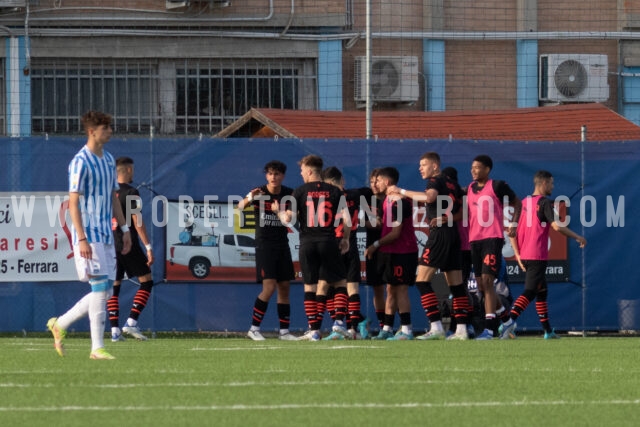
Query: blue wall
[(173, 167)]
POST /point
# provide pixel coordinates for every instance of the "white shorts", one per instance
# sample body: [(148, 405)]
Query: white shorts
[(102, 262)]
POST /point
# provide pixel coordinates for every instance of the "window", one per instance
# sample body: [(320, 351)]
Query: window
[(213, 94), (246, 241), (64, 90), (188, 97)]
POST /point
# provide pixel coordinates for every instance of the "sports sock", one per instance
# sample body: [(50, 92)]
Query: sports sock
[(113, 307), (353, 305), (310, 308), (284, 316), (140, 299), (259, 309), (340, 302), (543, 315), (429, 301), (100, 292), (321, 307), (78, 311), (460, 303), (380, 317)]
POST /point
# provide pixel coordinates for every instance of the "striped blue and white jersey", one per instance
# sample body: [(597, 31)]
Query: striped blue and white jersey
[(95, 179)]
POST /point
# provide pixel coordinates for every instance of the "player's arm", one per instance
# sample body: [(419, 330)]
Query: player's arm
[(428, 196), (569, 233), (284, 213), (76, 219), (502, 190), (516, 251), (142, 232), (122, 223), (396, 230), (248, 199), (346, 231)]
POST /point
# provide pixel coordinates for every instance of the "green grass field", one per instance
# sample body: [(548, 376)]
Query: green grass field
[(236, 382)]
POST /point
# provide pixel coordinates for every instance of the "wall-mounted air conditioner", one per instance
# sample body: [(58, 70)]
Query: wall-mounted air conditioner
[(174, 4), (573, 78), (392, 79)]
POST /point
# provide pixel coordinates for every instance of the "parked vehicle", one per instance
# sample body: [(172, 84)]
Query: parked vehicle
[(200, 253)]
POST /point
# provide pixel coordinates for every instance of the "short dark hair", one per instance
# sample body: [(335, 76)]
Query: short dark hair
[(390, 173), (95, 119), (374, 173), (332, 174), (485, 160), (451, 172), (277, 166), (124, 161), (541, 176)]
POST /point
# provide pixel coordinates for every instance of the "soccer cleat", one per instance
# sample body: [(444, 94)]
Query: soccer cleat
[(551, 335), (485, 335), (100, 354), (401, 336), (310, 335), (383, 335), (288, 337), (363, 328), (339, 328), (255, 335), (458, 337), (333, 336), (117, 336), (58, 335), (134, 332), (431, 336), (507, 330)]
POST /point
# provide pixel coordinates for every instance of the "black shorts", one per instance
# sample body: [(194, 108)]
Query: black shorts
[(133, 263), (535, 278), (274, 262), (374, 278), (398, 269), (486, 256), (321, 261), (351, 262), (442, 249)]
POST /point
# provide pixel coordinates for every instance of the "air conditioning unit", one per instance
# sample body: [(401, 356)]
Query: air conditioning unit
[(573, 78), (174, 4), (392, 79), (13, 3)]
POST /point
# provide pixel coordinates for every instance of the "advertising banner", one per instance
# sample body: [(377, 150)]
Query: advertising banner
[(35, 239)]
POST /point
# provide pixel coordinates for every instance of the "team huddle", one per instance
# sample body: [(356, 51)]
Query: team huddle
[(466, 232), (327, 216)]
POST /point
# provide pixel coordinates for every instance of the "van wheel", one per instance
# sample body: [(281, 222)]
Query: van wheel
[(199, 267)]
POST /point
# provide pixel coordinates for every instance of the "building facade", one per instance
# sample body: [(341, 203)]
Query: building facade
[(192, 67)]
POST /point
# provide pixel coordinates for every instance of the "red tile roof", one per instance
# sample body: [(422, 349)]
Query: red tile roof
[(553, 123)]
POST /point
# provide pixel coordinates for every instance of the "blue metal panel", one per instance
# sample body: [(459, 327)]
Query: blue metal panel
[(18, 88), (527, 73), (222, 167), (330, 75), (434, 75)]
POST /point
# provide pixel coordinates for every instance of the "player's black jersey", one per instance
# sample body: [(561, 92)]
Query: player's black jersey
[(450, 190), (268, 226), (375, 207), (316, 206), (354, 199), (130, 201)]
